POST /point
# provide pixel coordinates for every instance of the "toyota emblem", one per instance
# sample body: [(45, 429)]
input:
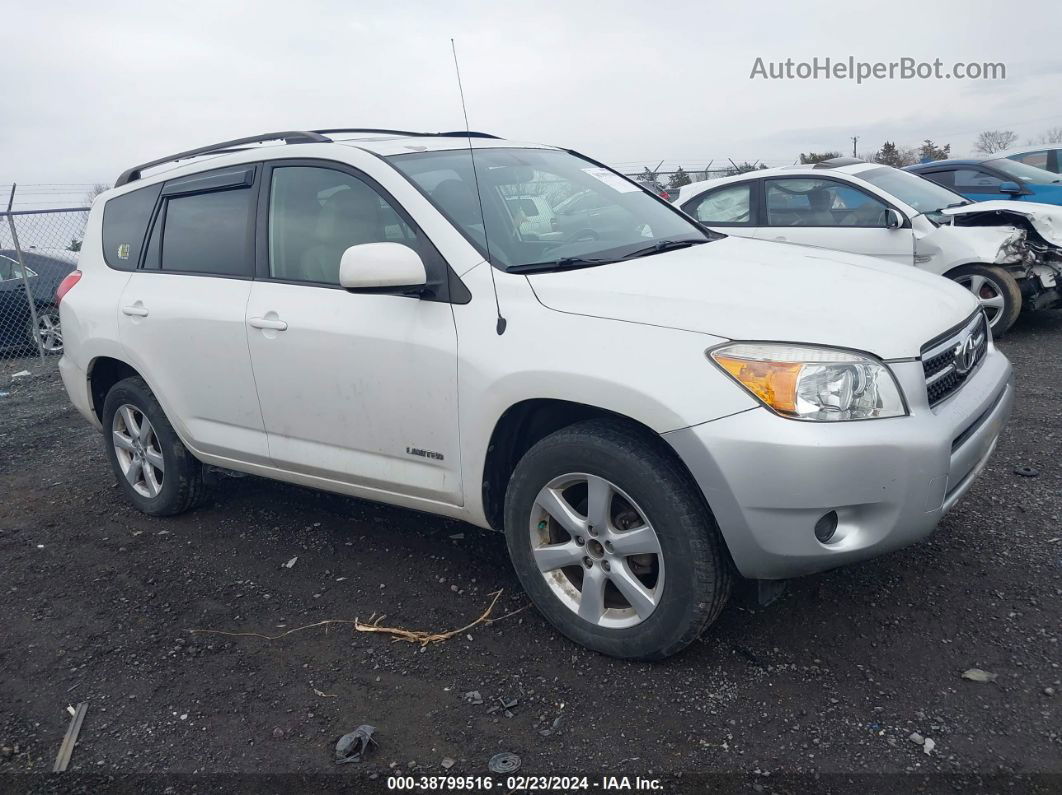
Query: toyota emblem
[(965, 355)]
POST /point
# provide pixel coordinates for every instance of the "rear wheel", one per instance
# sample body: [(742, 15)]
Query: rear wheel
[(153, 467), (996, 290), (613, 543)]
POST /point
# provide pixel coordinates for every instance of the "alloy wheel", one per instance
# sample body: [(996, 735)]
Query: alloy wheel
[(597, 550), (987, 293), (48, 331), (137, 447)]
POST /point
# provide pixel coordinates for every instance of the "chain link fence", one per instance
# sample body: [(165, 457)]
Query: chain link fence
[(38, 248)]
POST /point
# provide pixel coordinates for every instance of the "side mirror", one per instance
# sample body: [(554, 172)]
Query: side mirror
[(893, 219), (1009, 187), (381, 265)]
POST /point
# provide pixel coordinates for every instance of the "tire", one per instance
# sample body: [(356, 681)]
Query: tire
[(172, 488), (997, 290), (47, 329), (689, 576)]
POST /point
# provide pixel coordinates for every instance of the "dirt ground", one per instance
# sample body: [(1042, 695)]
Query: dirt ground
[(831, 680)]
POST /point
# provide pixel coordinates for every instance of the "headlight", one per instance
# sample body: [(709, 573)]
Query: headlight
[(807, 383)]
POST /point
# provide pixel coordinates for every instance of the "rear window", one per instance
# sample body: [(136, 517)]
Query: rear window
[(125, 221), (209, 233)]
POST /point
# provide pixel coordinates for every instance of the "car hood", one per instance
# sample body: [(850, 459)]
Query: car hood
[(752, 290), (1046, 219)]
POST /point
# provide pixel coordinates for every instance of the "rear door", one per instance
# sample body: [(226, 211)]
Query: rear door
[(359, 388), (832, 214), (182, 314)]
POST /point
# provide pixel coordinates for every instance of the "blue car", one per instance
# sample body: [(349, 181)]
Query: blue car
[(995, 178)]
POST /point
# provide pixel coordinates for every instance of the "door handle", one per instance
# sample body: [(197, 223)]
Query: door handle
[(135, 310), (265, 323), (780, 238)]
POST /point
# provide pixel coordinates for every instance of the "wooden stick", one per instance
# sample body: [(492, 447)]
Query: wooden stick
[(72, 731)]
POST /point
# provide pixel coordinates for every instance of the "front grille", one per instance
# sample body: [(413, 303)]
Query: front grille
[(950, 359)]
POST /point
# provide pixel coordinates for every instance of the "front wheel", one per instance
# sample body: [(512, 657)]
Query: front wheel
[(996, 290), (613, 542)]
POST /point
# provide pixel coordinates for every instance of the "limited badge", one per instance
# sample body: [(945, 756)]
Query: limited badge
[(123, 251)]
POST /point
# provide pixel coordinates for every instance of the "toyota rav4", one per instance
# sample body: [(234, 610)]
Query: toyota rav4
[(644, 407)]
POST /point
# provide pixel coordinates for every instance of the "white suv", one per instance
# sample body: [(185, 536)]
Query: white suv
[(643, 408), (1007, 253)]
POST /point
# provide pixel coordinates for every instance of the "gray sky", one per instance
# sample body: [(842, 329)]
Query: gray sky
[(91, 88)]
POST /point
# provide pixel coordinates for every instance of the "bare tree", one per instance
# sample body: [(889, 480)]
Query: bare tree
[(991, 141), (95, 191), (1050, 136)]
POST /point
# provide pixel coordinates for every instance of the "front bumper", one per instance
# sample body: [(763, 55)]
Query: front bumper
[(768, 480)]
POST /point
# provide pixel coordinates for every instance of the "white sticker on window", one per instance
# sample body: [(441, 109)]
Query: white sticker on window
[(614, 181)]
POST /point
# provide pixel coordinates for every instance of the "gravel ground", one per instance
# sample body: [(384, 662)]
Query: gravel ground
[(831, 680)]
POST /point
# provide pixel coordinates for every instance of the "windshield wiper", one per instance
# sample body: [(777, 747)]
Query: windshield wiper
[(562, 264), (661, 246)]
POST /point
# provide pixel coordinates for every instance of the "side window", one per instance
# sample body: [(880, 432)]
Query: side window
[(125, 220), (1038, 159), (315, 214), (11, 270), (729, 205), (208, 233), (945, 178), (819, 202), (973, 179)]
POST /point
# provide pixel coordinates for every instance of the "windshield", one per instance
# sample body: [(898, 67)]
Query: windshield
[(545, 208), (1022, 171), (925, 196)]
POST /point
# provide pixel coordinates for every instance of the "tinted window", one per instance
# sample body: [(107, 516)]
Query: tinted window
[(315, 214), (1022, 172), (818, 202), (208, 233), (974, 180), (729, 205), (125, 220)]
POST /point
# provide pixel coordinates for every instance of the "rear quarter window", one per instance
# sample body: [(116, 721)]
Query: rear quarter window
[(125, 221)]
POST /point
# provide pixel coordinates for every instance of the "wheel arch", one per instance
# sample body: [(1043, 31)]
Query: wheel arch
[(103, 373), (527, 422)]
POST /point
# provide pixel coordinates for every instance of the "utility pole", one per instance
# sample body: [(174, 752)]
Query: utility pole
[(854, 139)]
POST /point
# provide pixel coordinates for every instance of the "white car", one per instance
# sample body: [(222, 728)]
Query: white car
[(1008, 253), (642, 412)]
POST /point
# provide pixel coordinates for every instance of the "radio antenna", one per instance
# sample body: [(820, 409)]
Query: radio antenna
[(479, 193)]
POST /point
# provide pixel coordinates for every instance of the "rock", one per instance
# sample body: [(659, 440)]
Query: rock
[(1049, 691), (473, 697), (447, 763), (916, 738), (928, 747), (977, 675)]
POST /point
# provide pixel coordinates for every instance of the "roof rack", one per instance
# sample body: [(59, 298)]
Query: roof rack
[(289, 137), (407, 133)]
